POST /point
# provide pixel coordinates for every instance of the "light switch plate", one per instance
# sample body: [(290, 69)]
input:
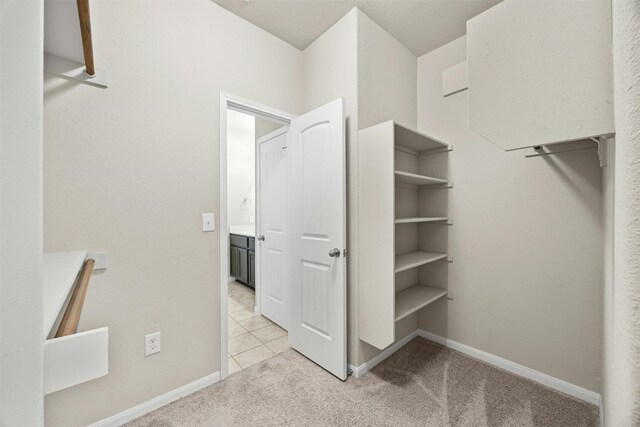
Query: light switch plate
[(208, 222)]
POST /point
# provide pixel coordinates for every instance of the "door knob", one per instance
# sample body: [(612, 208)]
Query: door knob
[(261, 237), (335, 252)]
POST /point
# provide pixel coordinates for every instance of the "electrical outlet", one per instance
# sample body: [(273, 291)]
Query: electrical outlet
[(152, 344)]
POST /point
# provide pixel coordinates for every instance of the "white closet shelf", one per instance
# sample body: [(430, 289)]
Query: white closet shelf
[(412, 299), (416, 259), (60, 270), (420, 219), (415, 141), (415, 179)]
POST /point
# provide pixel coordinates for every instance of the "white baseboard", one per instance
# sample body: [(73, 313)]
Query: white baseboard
[(157, 402), (544, 379), (601, 407), (358, 371)]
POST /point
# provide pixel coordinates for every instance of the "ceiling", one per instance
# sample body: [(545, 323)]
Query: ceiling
[(420, 25)]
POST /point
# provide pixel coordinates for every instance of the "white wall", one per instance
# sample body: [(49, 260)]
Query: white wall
[(622, 317), (21, 312), (130, 169), (540, 72), (386, 77), (241, 168), (330, 71), (527, 243)]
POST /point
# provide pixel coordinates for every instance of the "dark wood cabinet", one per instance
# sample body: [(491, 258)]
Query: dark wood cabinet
[(242, 259), (234, 267), (252, 269)]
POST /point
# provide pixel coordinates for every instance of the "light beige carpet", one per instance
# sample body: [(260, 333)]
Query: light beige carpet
[(422, 384)]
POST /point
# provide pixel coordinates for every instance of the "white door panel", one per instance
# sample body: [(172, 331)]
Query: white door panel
[(272, 224), (318, 217)]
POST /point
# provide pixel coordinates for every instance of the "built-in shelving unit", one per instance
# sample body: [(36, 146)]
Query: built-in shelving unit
[(398, 203)]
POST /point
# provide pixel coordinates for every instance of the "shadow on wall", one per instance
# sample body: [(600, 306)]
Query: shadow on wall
[(574, 168), (55, 86)]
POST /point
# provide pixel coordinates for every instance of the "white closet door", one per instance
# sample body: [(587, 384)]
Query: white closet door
[(317, 158), (272, 238)]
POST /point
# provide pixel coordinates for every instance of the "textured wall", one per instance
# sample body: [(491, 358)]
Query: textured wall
[(130, 169), (527, 243), (622, 323), (386, 77), (21, 314), (540, 72), (330, 71)]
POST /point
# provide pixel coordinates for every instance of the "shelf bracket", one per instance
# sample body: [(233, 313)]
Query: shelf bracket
[(602, 148)]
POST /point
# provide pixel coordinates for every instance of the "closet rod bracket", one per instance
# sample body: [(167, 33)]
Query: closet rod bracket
[(577, 145)]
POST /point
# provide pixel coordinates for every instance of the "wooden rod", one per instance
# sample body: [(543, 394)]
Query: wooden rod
[(71, 317), (85, 31)]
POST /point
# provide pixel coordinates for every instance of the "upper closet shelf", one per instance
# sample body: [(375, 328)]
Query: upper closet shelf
[(420, 219), (416, 259), (414, 141), (60, 271), (419, 180)]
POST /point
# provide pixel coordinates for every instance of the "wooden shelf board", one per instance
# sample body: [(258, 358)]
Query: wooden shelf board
[(60, 270), (416, 259), (415, 179), (414, 140), (412, 299), (420, 219)]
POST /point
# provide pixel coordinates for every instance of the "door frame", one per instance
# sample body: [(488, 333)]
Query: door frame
[(233, 102)]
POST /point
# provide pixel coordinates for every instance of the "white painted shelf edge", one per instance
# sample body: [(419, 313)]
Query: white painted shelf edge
[(60, 271), (420, 219), (415, 179), (412, 299), (416, 259)]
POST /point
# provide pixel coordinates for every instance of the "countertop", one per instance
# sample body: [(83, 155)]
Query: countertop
[(243, 230)]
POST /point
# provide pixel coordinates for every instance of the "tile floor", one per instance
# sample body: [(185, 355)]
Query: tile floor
[(252, 338)]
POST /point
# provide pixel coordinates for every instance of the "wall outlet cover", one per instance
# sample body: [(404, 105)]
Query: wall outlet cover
[(152, 344)]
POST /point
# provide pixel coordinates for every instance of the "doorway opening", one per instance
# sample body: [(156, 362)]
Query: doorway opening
[(282, 234), (252, 334)]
